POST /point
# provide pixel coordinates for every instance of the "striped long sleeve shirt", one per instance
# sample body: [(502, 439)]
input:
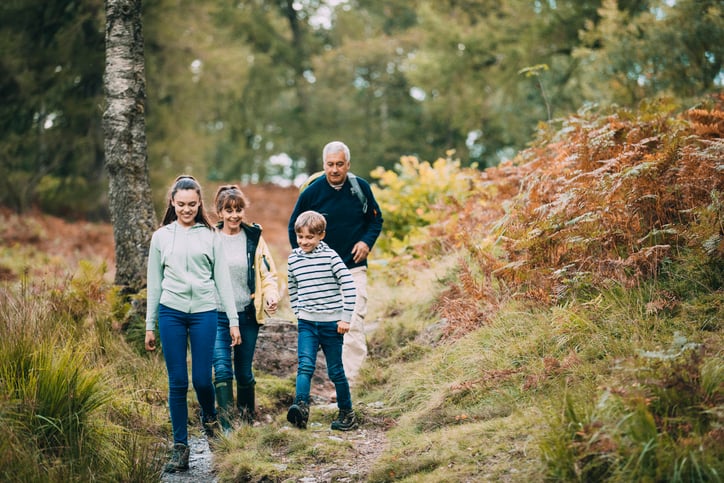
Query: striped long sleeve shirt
[(321, 288)]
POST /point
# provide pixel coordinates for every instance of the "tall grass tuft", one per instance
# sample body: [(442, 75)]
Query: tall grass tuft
[(62, 404), (665, 427)]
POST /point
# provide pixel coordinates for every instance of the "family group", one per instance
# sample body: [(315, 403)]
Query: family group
[(211, 286)]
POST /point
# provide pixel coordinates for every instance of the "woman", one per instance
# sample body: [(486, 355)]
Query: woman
[(186, 270), (254, 282)]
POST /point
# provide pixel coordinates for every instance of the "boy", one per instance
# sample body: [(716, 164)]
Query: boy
[(322, 296)]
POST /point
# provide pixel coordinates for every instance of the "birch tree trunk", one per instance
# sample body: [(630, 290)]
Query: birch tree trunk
[(124, 128)]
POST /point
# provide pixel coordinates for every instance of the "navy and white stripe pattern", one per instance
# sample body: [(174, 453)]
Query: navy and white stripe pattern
[(321, 288)]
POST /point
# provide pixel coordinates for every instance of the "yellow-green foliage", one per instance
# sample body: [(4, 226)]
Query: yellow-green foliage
[(412, 197)]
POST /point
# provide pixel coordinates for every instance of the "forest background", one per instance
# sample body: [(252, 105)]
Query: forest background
[(251, 90), (555, 316)]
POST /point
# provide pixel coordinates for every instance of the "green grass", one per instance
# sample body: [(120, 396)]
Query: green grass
[(66, 414), (580, 391), (551, 376), (466, 450)]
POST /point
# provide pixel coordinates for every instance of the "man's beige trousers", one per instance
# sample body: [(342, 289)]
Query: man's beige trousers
[(354, 350)]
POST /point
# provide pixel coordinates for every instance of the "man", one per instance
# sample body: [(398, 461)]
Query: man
[(354, 222)]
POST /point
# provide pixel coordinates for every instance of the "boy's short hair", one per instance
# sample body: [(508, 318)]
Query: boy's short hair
[(312, 221)]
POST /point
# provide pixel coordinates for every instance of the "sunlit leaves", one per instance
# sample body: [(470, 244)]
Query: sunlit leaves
[(416, 194)]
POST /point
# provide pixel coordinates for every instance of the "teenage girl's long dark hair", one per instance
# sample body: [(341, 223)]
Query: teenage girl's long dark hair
[(185, 182)]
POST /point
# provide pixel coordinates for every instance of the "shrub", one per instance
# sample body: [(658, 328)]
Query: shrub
[(414, 195)]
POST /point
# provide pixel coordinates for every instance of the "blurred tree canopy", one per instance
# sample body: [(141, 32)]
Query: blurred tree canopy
[(251, 90), (51, 141)]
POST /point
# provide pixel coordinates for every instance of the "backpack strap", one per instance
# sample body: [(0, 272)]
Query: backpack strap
[(357, 191), (311, 179)]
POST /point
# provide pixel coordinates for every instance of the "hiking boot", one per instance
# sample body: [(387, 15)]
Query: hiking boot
[(298, 414), (346, 420), (179, 459), (211, 427), (246, 403)]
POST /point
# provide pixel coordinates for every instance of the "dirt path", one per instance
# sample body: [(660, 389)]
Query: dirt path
[(368, 442), (201, 461)]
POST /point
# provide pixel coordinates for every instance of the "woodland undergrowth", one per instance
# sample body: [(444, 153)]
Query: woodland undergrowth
[(72, 403), (598, 200), (587, 292), (557, 317)]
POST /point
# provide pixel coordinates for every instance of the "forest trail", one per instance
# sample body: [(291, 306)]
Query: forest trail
[(201, 462), (368, 442), (270, 206)]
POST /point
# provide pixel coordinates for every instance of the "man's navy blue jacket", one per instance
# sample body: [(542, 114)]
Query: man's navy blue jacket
[(346, 222)]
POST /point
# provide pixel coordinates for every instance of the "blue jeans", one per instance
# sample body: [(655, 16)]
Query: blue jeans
[(177, 329), (243, 354), (311, 335)]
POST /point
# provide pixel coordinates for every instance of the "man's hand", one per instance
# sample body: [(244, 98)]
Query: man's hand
[(360, 250), (150, 340), (235, 336), (342, 327)]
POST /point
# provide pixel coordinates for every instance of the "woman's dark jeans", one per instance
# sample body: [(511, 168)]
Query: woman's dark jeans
[(243, 354), (177, 329)]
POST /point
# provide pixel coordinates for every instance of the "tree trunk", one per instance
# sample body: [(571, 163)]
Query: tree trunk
[(124, 128)]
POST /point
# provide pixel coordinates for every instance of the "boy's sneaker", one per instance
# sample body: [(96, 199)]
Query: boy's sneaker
[(179, 459), (298, 414), (346, 420)]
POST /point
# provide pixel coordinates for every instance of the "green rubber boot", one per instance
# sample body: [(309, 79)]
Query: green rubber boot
[(225, 402), (246, 402)]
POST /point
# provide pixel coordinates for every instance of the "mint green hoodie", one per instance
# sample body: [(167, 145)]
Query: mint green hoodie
[(186, 267)]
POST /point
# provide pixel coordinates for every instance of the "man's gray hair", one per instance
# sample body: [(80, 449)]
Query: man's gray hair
[(336, 147)]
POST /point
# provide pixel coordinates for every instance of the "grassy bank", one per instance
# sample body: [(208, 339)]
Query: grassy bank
[(77, 403)]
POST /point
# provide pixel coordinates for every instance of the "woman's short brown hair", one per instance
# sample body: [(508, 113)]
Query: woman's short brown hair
[(229, 196)]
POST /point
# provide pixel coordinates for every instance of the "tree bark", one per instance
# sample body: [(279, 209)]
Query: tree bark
[(124, 128)]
